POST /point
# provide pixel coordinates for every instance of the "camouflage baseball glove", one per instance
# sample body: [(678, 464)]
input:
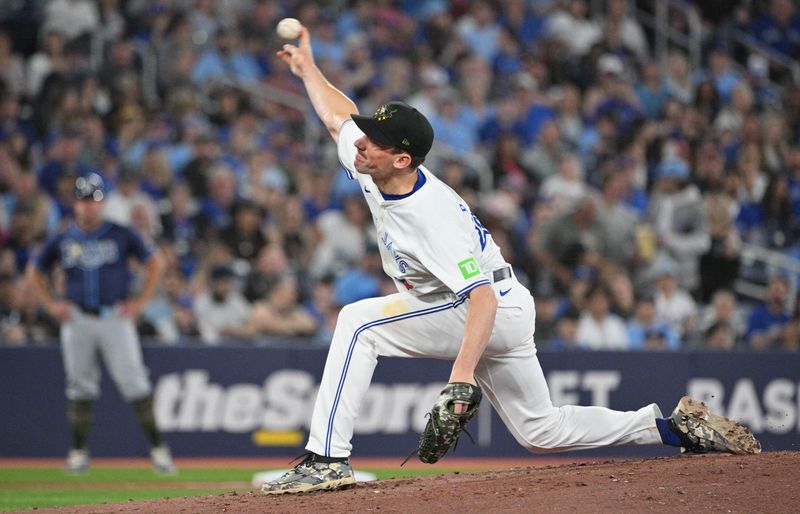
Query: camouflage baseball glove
[(444, 424)]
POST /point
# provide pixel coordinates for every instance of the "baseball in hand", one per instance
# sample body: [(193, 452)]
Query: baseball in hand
[(289, 28)]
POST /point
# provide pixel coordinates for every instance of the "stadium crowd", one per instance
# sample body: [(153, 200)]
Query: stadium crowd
[(619, 183)]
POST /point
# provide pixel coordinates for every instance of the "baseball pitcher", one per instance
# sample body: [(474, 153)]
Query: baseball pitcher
[(457, 299)]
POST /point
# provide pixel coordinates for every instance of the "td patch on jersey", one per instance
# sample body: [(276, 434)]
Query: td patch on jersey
[(469, 268)]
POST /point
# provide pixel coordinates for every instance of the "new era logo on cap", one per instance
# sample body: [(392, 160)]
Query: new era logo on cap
[(400, 125)]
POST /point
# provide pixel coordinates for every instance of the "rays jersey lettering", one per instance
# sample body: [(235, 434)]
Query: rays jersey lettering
[(95, 264), (88, 255)]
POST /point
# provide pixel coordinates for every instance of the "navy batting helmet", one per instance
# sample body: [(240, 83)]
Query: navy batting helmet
[(90, 187)]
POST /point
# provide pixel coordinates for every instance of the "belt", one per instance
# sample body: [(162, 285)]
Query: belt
[(95, 311), (501, 274)]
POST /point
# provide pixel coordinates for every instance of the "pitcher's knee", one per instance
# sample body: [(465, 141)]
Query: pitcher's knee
[(540, 442), (541, 434), (351, 317), (346, 314)]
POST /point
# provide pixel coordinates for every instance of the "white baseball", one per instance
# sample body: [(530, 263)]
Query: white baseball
[(289, 28)]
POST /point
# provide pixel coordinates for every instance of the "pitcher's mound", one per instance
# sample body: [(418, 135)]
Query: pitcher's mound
[(702, 483)]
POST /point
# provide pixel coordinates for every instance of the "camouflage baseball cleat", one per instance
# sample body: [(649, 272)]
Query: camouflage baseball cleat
[(311, 475), (702, 431)]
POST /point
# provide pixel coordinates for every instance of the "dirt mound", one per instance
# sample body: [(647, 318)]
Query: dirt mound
[(706, 483)]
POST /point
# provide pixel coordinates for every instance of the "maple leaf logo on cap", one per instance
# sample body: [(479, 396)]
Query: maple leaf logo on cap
[(384, 113)]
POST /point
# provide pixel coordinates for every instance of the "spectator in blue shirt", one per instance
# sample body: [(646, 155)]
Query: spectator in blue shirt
[(767, 321), (479, 30), (720, 72), (217, 208), (22, 235), (359, 281), (454, 125), (645, 333), (508, 59), (779, 28), (504, 120), (326, 46), (652, 90), (63, 157), (224, 62), (566, 331), (524, 19), (534, 112)]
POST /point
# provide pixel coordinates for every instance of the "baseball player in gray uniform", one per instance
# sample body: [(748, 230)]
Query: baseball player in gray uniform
[(457, 299), (98, 317)]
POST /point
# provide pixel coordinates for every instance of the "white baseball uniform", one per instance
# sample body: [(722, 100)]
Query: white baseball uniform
[(437, 251)]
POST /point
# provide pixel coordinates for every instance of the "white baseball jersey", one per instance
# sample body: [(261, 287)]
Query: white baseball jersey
[(429, 240), (437, 252)]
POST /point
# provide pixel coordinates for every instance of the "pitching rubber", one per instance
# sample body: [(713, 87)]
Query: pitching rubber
[(726, 433)]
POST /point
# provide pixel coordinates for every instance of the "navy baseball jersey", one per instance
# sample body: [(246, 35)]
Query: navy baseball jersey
[(94, 262)]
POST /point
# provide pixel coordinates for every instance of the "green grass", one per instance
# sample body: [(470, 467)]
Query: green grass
[(122, 475), (18, 499), (27, 488)]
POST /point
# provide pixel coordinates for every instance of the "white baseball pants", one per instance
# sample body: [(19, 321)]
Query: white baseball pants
[(401, 325)]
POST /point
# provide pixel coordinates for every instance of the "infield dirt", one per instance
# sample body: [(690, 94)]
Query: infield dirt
[(702, 483)]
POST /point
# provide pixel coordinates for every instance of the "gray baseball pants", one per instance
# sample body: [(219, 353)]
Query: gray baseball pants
[(86, 339)]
